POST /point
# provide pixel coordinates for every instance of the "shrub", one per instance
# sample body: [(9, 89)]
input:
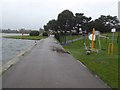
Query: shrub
[(45, 34), (57, 36), (74, 33), (34, 33)]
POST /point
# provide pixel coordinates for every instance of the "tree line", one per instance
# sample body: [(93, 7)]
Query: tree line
[(67, 21), (16, 31)]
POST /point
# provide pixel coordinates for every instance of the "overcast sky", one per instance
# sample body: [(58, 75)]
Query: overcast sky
[(33, 14)]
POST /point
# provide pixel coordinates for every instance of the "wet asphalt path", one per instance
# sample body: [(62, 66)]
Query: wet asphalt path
[(45, 68)]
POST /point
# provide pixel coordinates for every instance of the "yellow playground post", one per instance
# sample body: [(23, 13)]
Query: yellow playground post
[(110, 48)]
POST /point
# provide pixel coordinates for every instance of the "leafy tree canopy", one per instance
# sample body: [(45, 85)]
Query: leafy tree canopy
[(51, 25), (106, 23), (66, 21)]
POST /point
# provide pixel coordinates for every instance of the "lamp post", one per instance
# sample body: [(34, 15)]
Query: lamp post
[(78, 27), (66, 26), (72, 33), (59, 33)]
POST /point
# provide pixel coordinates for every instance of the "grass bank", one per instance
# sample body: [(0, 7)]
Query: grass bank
[(102, 64), (26, 37)]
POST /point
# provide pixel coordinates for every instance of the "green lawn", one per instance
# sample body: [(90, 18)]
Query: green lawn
[(26, 37), (102, 64)]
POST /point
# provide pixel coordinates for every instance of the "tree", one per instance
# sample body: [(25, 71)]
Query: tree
[(45, 34), (65, 20), (106, 23), (84, 21), (51, 25), (34, 33)]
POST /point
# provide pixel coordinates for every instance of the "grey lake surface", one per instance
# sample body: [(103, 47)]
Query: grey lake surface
[(12, 47)]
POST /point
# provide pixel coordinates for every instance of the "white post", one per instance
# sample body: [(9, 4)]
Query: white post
[(99, 41), (113, 31)]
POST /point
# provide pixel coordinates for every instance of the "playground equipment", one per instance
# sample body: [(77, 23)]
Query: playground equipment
[(87, 49), (110, 48), (91, 48), (92, 37), (111, 45)]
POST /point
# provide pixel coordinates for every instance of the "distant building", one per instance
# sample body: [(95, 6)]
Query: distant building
[(119, 10)]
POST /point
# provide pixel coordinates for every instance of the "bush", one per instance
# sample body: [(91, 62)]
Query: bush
[(45, 34), (57, 36), (34, 33), (74, 34)]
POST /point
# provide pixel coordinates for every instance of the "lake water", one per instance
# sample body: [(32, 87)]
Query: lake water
[(11, 47)]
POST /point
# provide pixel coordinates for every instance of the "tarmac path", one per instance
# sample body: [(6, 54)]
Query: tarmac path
[(44, 67)]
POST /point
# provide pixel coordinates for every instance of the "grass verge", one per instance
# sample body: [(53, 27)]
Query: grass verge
[(102, 64)]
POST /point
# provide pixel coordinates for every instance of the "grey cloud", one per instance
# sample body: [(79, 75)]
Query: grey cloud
[(35, 13)]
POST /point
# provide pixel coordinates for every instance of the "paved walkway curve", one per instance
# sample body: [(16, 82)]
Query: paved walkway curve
[(44, 68)]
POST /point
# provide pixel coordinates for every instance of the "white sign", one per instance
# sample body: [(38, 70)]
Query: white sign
[(90, 37), (80, 29), (97, 32), (113, 30)]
